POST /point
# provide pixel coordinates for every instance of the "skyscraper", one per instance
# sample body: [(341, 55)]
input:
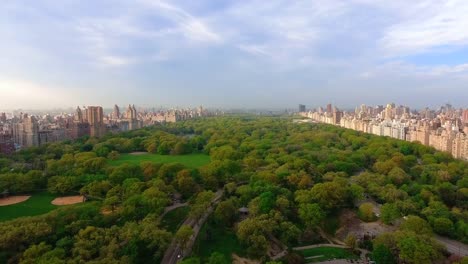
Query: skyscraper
[(302, 108), (465, 116), (116, 113), (26, 131), (329, 108), (79, 115), (96, 121)]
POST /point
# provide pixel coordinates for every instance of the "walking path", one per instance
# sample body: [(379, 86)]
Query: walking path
[(172, 207), (454, 247)]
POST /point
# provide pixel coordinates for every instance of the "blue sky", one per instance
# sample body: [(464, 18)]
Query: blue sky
[(229, 53)]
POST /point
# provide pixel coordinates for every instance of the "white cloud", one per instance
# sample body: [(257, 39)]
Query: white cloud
[(423, 26), (402, 69), (254, 50), (190, 26), (106, 38)]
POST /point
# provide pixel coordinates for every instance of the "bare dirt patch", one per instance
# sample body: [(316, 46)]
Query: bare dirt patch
[(238, 260), (13, 200), (68, 200), (138, 153), (350, 223)]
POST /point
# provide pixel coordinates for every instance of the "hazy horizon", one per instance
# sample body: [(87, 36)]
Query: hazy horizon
[(231, 54)]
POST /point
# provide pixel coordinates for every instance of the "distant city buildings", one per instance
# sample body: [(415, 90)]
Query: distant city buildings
[(27, 130), (445, 129), (302, 108)]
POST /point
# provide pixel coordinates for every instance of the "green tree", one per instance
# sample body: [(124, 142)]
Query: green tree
[(351, 241), (183, 235), (226, 212), (398, 176), (201, 204), (366, 212), (311, 215), (191, 260), (417, 225), (329, 194), (113, 155), (417, 249), (389, 212), (382, 255), (253, 233), (62, 184), (185, 183), (217, 258), (443, 226)]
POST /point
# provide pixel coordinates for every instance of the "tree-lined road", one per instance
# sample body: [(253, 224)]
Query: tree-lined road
[(175, 252)]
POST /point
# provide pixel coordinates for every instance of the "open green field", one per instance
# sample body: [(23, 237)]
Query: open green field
[(326, 253), (217, 238), (172, 220), (38, 203), (190, 160)]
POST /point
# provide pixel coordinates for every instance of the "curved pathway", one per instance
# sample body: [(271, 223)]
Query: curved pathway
[(172, 207)]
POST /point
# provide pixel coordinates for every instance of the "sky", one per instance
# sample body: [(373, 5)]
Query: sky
[(231, 53)]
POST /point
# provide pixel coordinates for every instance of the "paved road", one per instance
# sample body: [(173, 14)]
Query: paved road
[(174, 253), (319, 245), (453, 246)]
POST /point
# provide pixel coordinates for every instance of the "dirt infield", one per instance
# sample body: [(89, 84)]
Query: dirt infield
[(13, 200), (68, 200)]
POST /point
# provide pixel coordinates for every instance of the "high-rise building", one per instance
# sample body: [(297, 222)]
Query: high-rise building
[(302, 108), (78, 115), (132, 118), (96, 121), (3, 117), (465, 116), (116, 113), (329, 108), (26, 131)]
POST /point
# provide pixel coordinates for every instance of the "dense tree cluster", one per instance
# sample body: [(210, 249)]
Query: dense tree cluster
[(291, 177)]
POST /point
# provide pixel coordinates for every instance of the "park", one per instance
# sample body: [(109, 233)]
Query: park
[(192, 161)]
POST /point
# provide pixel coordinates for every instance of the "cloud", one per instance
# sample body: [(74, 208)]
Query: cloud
[(157, 26), (188, 25), (271, 45), (426, 25), (254, 50)]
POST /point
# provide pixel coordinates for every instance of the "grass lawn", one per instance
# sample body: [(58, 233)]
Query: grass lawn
[(38, 203), (190, 160), (172, 220), (326, 253), (217, 238)]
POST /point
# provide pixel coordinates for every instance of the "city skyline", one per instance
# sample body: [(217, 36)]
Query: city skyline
[(444, 129), (233, 54)]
